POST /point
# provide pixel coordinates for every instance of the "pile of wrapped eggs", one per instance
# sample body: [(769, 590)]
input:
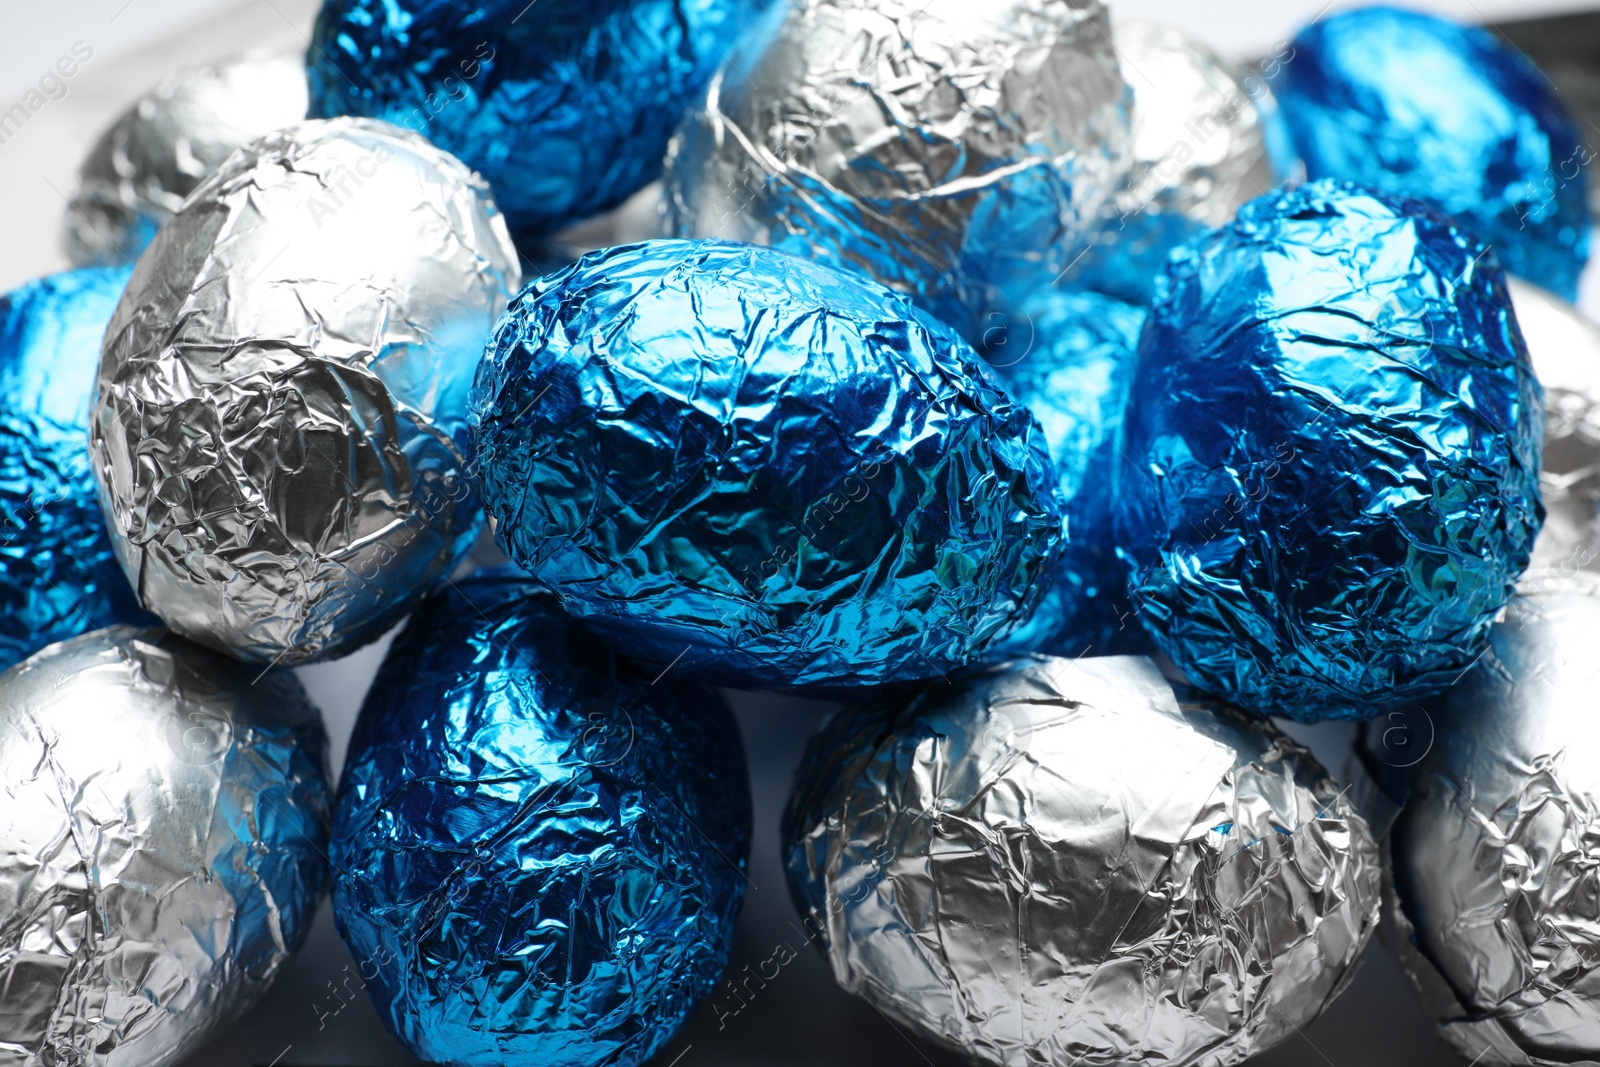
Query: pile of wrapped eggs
[(1063, 398)]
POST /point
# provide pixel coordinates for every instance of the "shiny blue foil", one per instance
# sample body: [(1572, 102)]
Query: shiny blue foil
[(761, 470), (1073, 372), (1330, 476), (538, 852), (1419, 106), (564, 106), (58, 577)]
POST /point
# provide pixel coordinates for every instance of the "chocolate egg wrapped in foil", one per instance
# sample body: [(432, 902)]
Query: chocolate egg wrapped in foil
[(565, 106), (58, 574), (1057, 863), (1073, 372), (1494, 854), (1200, 148), (1419, 106), (760, 470), (1565, 348), (161, 845), (956, 152), (1330, 475), (279, 433), (539, 849), (159, 150)]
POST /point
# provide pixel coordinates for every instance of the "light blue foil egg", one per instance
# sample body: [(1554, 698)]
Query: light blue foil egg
[(58, 576), (1419, 106), (538, 852), (1330, 476)]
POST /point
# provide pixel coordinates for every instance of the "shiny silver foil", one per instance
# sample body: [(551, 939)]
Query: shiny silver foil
[(1495, 854), (1565, 348), (162, 839), (157, 151), (1057, 863), (279, 430), (953, 150)]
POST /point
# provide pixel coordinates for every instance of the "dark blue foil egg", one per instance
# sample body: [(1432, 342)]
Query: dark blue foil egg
[(564, 106), (1415, 105), (1330, 476), (538, 853), (761, 470), (1070, 361), (58, 577)]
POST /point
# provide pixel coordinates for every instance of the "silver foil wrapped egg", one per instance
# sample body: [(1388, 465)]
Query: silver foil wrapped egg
[(1495, 853), (955, 151), (1565, 348), (1058, 863), (167, 143), (162, 838), (279, 430)]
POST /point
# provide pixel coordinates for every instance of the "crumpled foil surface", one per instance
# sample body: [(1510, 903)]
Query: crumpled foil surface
[(1565, 348), (1494, 853), (958, 152), (1200, 151), (1330, 480), (1057, 864), (538, 852), (1072, 367), (761, 470), (162, 834), (1419, 106), (565, 106), (279, 432), (58, 575), (159, 150)]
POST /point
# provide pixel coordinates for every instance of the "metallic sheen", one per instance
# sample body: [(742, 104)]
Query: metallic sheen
[(280, 424), (1073, 372), (565, 106), (761, 470), (1056, 864), (1331, 458), (1200, 131), (958, 152), (1494, 854), (539, 852), (1421, 107), (159, 150), (58, 575), (162, 836)]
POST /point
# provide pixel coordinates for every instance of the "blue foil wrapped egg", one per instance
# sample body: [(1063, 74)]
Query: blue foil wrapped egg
[(1330, 474), (564, 106), (759, 469), (58, 574), (538, 852), (1073, 373), (1422, 107)]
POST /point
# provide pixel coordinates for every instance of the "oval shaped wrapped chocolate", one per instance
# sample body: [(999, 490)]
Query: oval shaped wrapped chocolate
[(160, 149), (1057, 863), (279, 431), (1073, 375), (1330, 480), (1421, 107), (956, 152), (1200, 151), (564, 106), (760, 470), (161, 844), (58, 574), (538, 850), (1493, 854)]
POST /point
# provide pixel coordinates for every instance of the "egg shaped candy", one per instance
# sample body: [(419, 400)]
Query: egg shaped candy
[(760, 470), (539, 850)]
